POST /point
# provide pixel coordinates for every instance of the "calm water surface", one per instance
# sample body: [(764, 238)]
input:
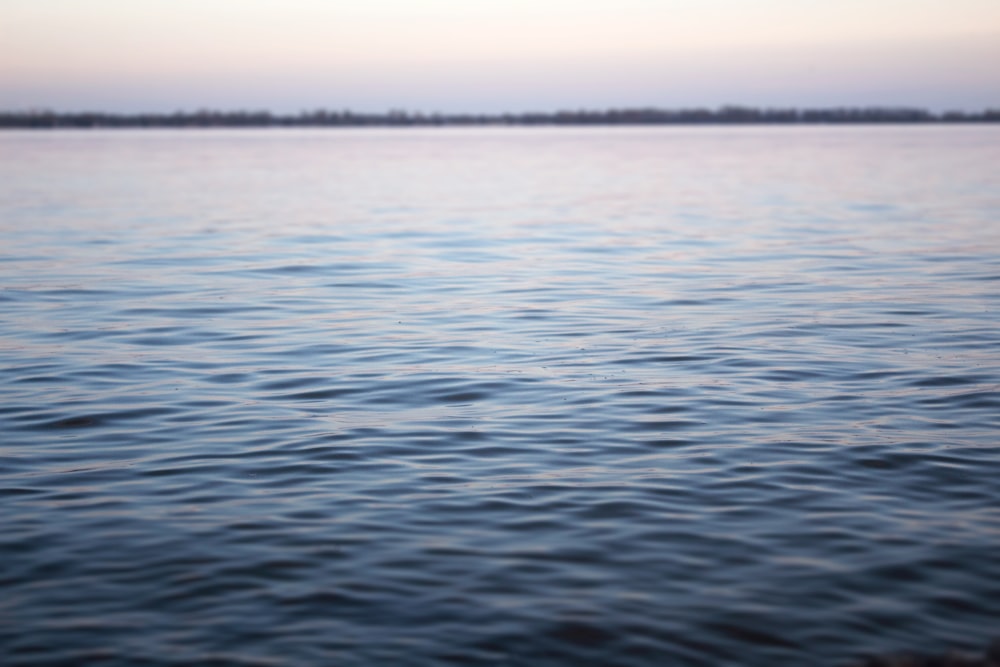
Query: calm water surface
[(672, 396)]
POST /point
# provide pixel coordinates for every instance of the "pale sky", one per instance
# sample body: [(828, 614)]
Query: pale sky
[(496, 55)]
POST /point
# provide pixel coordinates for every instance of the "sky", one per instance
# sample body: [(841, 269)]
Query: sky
[(287, 56)]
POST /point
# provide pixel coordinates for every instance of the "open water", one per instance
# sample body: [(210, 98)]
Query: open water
[(663, 396)]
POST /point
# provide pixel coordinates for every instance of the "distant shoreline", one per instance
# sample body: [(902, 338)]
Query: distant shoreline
[(727, 115)]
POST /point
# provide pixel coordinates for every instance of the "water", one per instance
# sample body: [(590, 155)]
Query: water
[(668, 396)]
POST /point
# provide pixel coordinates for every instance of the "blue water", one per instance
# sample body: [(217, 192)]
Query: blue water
[(665, 396)]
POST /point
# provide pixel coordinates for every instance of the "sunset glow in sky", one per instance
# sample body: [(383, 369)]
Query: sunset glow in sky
[(496, 55)]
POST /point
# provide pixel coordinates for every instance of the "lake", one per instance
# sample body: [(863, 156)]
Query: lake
[(499, 396)]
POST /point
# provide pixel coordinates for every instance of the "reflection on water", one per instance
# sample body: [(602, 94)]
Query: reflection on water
[(694, 396)]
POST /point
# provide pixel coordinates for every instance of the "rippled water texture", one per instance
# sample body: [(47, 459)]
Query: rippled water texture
[(675, 396)]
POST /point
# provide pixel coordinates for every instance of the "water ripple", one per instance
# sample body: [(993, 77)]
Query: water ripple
[(634, 397)]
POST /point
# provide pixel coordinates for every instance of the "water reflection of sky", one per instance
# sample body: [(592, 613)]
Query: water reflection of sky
[(676, 382)]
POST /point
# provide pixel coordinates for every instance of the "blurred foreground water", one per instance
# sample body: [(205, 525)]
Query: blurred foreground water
[(666, 396)]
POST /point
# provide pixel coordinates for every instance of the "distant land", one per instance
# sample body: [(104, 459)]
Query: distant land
[(727, 115)]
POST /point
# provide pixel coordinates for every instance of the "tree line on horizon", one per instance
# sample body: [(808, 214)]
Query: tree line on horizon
[(47, 119)]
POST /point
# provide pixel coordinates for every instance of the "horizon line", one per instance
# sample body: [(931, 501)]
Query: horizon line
[(649, 115)]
